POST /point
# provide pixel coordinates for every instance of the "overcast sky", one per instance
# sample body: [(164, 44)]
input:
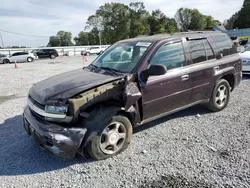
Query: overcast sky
[(46, 17)]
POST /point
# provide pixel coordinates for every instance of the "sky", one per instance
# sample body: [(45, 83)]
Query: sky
[(46, 17)]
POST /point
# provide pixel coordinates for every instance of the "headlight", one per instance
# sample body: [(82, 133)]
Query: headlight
[(60, 109)]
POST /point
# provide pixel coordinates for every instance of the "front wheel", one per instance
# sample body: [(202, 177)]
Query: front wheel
[(6, 61), (107, 135), (220, 97)]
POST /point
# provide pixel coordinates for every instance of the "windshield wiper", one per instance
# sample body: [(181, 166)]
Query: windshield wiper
[(94, 67), (114, 71)]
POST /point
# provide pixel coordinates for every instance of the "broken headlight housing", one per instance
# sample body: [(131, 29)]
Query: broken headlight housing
[(58, 113), (56, 109)]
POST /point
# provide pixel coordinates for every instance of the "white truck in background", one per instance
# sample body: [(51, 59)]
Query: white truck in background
[(95, 50)]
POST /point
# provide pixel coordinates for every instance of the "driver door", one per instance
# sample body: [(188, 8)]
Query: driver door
[(169, 92)]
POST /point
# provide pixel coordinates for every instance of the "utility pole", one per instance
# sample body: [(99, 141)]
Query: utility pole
[(1, 38), (100, 38)]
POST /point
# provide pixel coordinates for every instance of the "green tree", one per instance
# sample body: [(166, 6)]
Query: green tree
[(160, 23), (243, 19), (229, 24), (210, 22), (54, 41), (115, 18), (198, 21), (65, 38), (82, 39), (62, 38), (138, 19), (192, 19), (171, 26), (183, 18)]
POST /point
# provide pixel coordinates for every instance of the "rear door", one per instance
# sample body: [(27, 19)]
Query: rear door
[(23, 56), (41, 53), (203, 67), (162, 94), (47, 52)]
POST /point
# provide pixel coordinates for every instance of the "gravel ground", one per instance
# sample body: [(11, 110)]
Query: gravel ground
[(192, 148)]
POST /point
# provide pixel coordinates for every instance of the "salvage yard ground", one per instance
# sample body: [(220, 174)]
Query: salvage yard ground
[(192, 148)]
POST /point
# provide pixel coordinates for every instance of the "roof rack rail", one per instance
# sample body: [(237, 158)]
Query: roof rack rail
[(191, 32)]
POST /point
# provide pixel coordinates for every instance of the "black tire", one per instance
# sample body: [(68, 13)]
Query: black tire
[(52, 56), (87, 54), (30, 59), (214, 104), (6, 61), (99, 120)]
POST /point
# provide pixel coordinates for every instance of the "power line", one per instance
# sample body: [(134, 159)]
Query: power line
[(23, 34)]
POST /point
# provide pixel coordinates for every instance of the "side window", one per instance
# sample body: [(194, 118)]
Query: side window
[(170, 55), (15, 54), (224, 44), (197, 51), (23, 53), (209, 51)]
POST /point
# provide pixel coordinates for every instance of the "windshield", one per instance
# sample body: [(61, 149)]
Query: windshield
[(122, 57)]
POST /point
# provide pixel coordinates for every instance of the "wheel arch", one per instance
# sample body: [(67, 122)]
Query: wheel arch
[(229, 77), (133, 113)]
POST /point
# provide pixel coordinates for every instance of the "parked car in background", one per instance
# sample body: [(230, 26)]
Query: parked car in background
[(46, 53), (92, 110), (19, 57), (2, 56), (243, 42), (245, 57), (95, 50)]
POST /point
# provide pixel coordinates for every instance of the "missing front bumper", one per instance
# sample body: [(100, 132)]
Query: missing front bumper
[(62, 142)]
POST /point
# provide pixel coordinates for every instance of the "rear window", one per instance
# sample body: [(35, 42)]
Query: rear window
[(224, 44)]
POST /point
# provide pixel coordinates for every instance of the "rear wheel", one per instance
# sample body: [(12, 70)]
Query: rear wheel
[(108, 134), (220, 97), (6, 61), (52, 56), (30, 59)]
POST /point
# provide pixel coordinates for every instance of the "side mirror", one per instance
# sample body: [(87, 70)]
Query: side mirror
[(154, 70)]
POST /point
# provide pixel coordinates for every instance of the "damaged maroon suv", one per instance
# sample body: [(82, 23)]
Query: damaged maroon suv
[(92, 111)]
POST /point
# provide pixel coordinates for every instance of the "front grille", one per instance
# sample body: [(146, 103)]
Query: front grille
[(36, 103), (37, 115)]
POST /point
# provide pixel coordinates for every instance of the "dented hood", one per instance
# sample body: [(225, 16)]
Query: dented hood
[(66, 85)]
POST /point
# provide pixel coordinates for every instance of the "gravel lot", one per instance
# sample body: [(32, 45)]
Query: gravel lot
[(181, 150)]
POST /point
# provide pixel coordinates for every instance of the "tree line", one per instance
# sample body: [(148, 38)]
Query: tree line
[(240, 19), (116, 21)]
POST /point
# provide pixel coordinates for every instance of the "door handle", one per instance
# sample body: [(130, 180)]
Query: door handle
[(216, 68), (185, 77)]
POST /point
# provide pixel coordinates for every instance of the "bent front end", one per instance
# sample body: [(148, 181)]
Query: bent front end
[(62, 141)]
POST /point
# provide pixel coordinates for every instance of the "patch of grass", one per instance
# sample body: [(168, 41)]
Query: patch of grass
[(244, 37)]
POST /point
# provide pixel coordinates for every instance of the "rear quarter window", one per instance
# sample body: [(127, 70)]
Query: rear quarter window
[(224, 44)]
